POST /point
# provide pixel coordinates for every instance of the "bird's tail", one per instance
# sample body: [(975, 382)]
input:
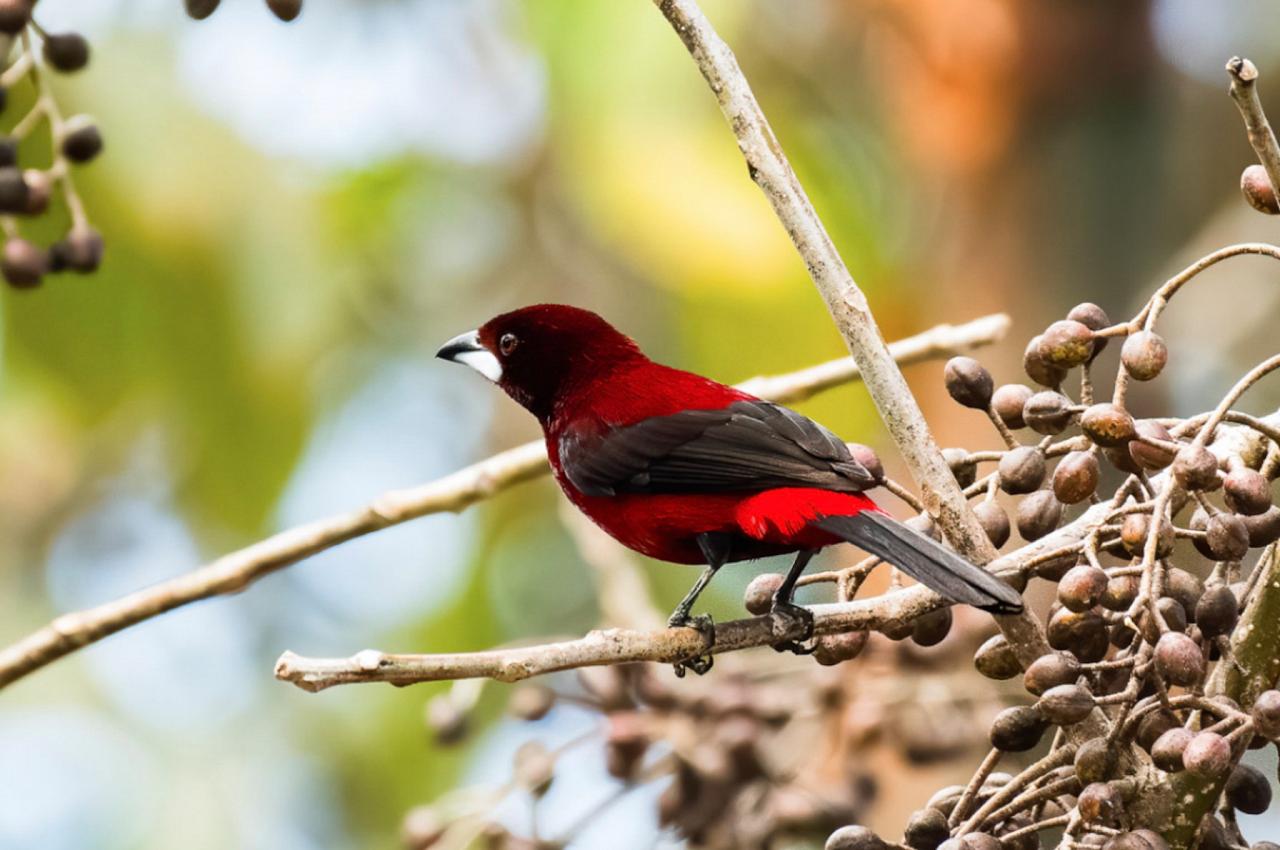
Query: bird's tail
[(925, 560)]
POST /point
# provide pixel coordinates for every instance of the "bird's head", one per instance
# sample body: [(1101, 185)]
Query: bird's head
[(540, 354)]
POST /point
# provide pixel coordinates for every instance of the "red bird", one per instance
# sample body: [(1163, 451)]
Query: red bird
[(682, 468)]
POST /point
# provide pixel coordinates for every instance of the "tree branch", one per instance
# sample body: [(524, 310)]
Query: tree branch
[(236, 571), (769, 168), (620, 646), (1244, 91)]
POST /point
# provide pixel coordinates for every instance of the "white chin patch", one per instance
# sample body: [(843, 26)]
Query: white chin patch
[(483, 362)]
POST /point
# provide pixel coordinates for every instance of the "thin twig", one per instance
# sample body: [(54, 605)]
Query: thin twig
[(1244, 91)]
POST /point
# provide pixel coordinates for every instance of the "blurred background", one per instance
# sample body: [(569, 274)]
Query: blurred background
[(296, 216)]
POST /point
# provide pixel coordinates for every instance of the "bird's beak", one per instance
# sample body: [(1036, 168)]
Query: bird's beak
[(467, 350)]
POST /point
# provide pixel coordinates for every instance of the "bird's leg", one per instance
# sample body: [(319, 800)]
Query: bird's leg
[(785, 613), (715, 548)]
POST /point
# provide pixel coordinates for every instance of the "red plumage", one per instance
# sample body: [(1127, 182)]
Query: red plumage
[(685, 469)]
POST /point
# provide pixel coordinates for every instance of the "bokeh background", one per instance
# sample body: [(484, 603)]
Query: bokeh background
[(297, 215)]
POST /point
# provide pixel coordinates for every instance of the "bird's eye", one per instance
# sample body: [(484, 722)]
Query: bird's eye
[(508, 344)]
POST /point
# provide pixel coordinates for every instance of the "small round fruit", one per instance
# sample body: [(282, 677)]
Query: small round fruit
[(870, 461), (22, 263), (1248, 790), (758, 597), (1179, 659), (66, 51), (81, 140), (1038, 369), (1017, 729), (994, 521), (995, 659), (838, 648), (1247, 491), (1207, 755), (1065, 705), (968, 382), (1008, 401), (1150, 456), (1195, 468), (1167, 751), (1144, 355), (1258, 191), (1227, 537), (1217, 611), (1038, 514), (285, 10), (1094, 318), (1047, 412), (1082, 587), (1066, 344), (1021, 470), (1107, 425), (1076, 477)]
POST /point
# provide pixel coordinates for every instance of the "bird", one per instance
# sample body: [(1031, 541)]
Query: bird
[(688, 470)]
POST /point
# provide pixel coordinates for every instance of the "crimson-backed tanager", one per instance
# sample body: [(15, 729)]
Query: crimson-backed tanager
[(682, 468)]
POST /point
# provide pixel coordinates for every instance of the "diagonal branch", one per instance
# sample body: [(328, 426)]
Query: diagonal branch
[(1244, 91), (235, 571), (769, 168)]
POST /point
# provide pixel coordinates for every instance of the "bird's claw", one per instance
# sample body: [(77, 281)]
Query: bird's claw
[(783, 618), (705, 626)]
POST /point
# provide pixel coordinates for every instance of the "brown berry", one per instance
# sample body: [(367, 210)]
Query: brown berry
[(1207, 755), (1175, 618), (1038, 369), (1248, 790), (531, 702), (1217, 611), (1179, 659), (1153, 725), (1266, 714), (81, 140), (1094, 760), (1263, 528), (66, 51), (870, 461), (758, 597), (1008, 401), (1038, 514), (1050, 670), (1082, 587), (1137, 527), (1017, 729), (1084, 633), (1150, 456), (968, 382), (22, 264), (1144, 355), (1247, 491), (1065, 705), (1076, 477), (1196, 468), (994, 521), (932, 628), (926, 829), (1185, 587), (14, 192), (14, 15), (1167, 751), (285, 10), (1258, 191), (201, 9), (1047, 412), (1121, 592), (1094, 318), (837, 648), (995, 659), (1066, 344), (1099, 804), (1021, 470), (81, 251), (1107, 425), (1227, 537)]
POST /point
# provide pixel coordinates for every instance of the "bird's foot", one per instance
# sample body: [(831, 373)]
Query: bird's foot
[(784, 617), (705, 626)]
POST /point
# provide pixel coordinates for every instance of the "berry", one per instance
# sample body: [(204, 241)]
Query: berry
[(1179, 659), (1038, 514), (1107, 425), (1258, 191), (1021, 470), (1047, 412), (22, 264), (994, 521), (1038, 369), (66, 51), (1008, 401), (968, 382), (81, 140), (285, 10), (1207, 755), (1076, 477), (758, 597), (1144, 355), (1066, 344)]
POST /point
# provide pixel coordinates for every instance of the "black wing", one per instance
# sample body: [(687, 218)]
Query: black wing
[(748, 446)]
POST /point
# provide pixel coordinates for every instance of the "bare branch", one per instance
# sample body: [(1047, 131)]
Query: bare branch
[(769, 168), (1244, 91), (620, 646), (236, 571)]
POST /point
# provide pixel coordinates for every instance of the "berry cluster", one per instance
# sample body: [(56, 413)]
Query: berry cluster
[(764, 753), (25, 191)]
